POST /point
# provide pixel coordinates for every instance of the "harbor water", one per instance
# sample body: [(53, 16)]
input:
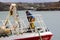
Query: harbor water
[(51, 19)]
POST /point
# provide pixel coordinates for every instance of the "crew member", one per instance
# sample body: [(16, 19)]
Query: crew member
[(31, 19)]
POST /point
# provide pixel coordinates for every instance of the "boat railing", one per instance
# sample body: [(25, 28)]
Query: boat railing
[(39, 23)]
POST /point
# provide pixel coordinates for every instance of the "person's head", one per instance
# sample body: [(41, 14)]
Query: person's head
[(27, 12)]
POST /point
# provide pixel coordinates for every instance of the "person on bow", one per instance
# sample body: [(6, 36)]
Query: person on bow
[(31, 19)]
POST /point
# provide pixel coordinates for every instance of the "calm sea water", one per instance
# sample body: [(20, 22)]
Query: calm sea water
[(51, 19)]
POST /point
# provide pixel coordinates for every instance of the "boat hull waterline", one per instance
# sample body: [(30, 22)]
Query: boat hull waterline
[(43, 36), (46, 37)]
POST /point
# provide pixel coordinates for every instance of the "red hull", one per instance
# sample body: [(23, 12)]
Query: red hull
[(46, 37)]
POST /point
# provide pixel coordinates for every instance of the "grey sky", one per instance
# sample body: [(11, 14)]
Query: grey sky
[(29, 0)]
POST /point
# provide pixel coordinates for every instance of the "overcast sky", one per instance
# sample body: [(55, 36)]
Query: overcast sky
[(29, 0)]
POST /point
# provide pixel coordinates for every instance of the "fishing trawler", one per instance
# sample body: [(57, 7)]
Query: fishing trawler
[(19, 30)]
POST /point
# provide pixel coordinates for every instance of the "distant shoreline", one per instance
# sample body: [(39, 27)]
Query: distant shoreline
[(51, 6), (40, 10)]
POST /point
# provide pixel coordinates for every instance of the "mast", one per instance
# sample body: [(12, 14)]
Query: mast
[(13, 13)]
